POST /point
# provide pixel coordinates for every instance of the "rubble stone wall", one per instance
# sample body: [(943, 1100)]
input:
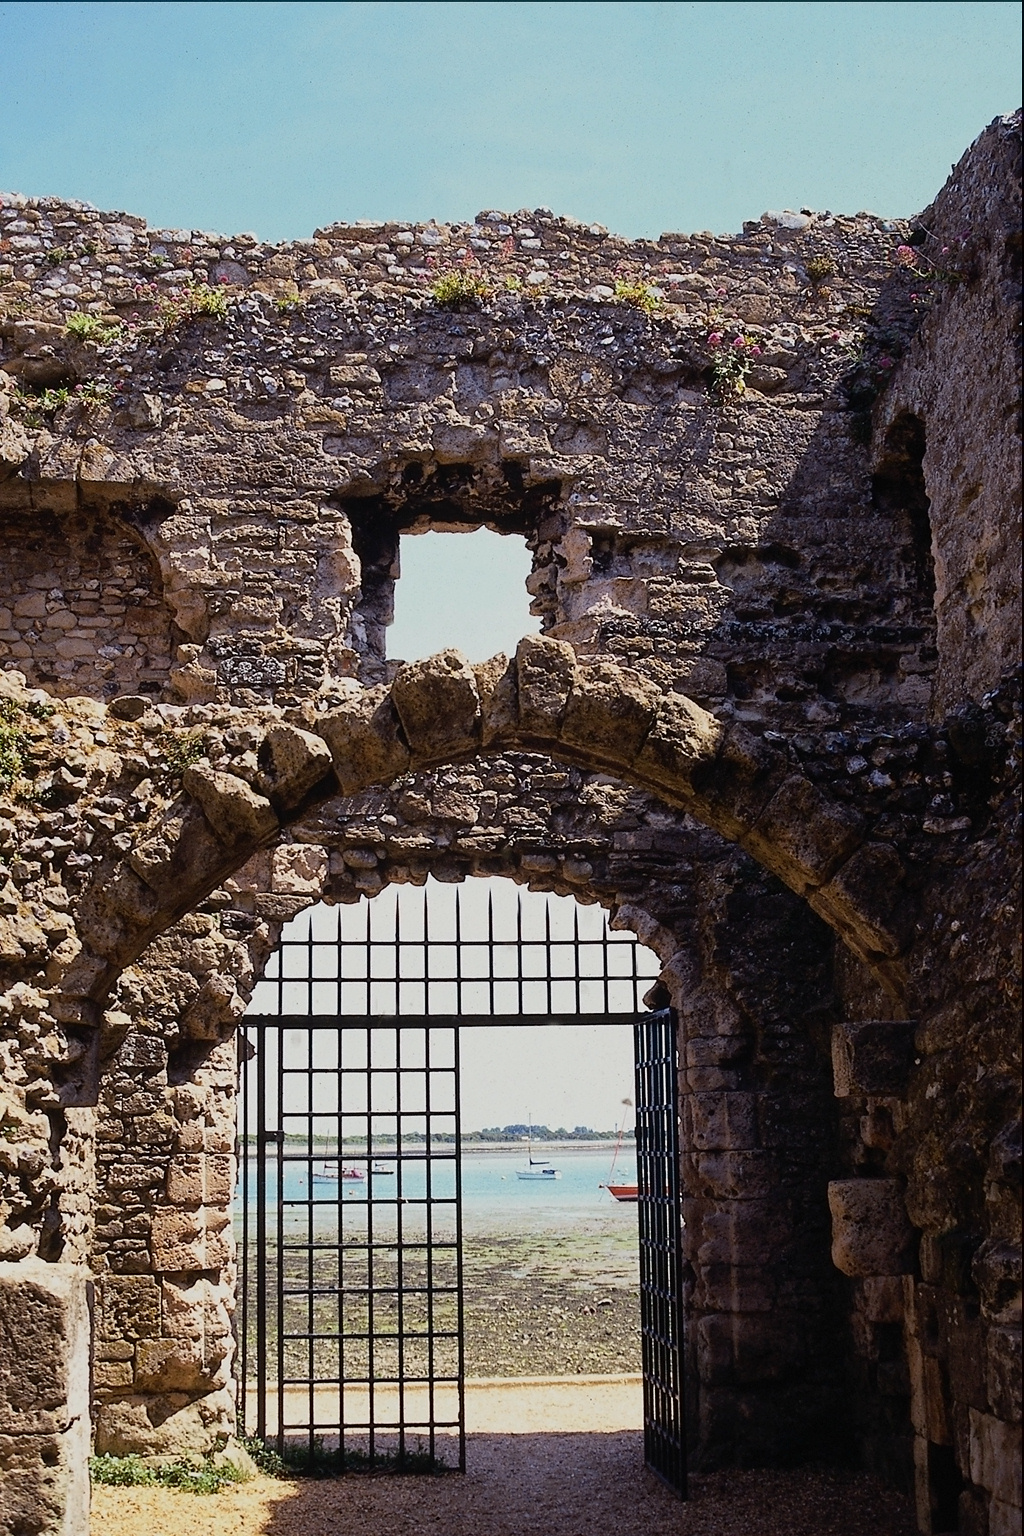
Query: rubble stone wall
[(772, 725)]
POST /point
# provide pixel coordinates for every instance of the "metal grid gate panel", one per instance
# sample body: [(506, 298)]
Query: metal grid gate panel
[(351, 1314), (349, 1218), (661, 1255)]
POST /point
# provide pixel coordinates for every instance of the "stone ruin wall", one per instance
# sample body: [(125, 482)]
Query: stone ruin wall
[(221, 509)]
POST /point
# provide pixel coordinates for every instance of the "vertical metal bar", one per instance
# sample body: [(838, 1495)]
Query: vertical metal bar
[(311, 1288), (547, 953), (340, 1223), (458, 949), (460, 1346), (282, 1320), (242, 1142), (399, 1253), (519, 946), (261, 1227), (371, 1278), (490, 950), (428, 1169)]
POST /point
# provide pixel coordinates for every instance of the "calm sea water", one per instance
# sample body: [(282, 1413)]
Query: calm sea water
[(492, 1194)]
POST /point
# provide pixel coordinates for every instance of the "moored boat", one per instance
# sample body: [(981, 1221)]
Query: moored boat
[(628, 1193), (537, 1167)]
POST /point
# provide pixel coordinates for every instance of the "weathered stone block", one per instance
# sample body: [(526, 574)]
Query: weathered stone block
[(292, 762), (872, 1057), (720, 1122), (881, 1297), (544, 672), (170, 1365), (499, 702), (439, 707), (871, 1234), (734, 787), (299, 869), (997, 1273), (178, 1239), (995, 1449), (747, 1350), (127, 1307), (866, 901), (366, 741), (213, 1011), (44, 1399), (682, 738), (167, 1424), (731, 1175), (1003, 1372), (803, 836), (234, 810), (609, 712), (734, 1288), (744, 1232)]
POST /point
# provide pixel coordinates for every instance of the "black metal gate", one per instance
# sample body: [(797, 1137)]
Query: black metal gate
[(349, 1216), (661, 1246), (351, 1242)]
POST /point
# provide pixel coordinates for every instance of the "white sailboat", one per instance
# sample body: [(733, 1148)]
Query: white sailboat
[(537, 1167)]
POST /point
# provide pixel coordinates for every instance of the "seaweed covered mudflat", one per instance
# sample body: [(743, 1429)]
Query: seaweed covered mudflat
[(546, 1303)]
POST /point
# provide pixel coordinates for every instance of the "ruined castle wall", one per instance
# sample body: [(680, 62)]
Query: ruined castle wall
[(971, 239), (777, 555), (81, 603)]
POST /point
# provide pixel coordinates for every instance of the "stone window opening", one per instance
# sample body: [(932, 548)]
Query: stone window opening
[(461, 590), (898, 488)]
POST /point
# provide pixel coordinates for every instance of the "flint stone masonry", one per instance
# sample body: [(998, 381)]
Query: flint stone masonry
[(44, 1398), (771, 724)]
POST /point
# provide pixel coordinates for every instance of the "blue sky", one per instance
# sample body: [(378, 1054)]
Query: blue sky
[(278, 117)]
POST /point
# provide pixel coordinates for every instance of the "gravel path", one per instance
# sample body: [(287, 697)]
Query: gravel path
[(526, 1476), (525, 1485)]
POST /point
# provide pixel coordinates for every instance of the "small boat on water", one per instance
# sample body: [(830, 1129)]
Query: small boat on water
[(627, 1194), (382, 1170), (537, 1167), (348, 1175)]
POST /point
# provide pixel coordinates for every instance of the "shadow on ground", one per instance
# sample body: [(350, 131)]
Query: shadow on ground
[(587, 1485)]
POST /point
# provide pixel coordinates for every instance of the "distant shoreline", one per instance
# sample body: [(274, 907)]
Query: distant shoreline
[(385, 1149), (548, 1146)]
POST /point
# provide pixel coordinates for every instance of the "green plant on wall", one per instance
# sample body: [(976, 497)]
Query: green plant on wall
[(194, 301), (14, 740), (461, 286), (97, 328), (638, 293), (730, 362), (181, 752), (818, 268)]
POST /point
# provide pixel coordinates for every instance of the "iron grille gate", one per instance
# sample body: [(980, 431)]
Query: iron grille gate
[(661, 1246), (349, 1215)]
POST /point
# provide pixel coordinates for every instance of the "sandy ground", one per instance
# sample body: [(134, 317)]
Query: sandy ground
[(526, 1476)]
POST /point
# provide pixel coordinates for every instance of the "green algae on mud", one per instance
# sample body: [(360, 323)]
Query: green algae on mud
[(552, 1304)]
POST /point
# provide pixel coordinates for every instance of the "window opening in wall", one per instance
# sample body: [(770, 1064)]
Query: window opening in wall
[(466, 590), (439, 1093)]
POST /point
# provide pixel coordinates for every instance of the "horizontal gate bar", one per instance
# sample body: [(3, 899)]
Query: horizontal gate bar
[(308, 1021)]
